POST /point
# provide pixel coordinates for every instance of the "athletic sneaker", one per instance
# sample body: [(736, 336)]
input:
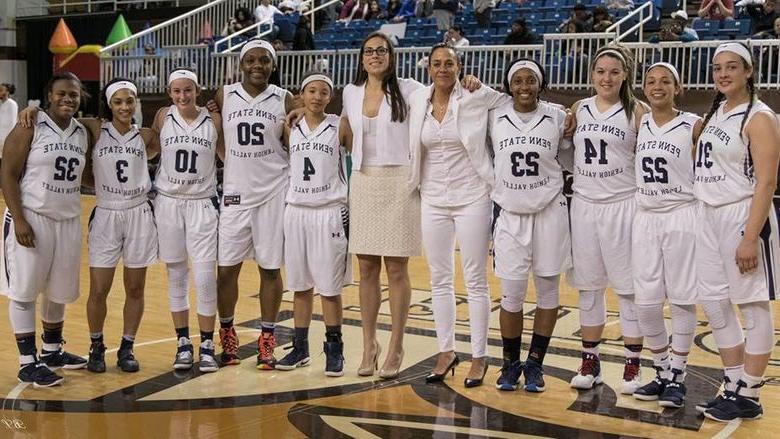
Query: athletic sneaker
[(673, 395), (60, 358), (334, 358), (228, 339), (126, 361), (534, 377), (652, 390), (510, 375), (183, 359), (632, 377), (39, 375), (706, 405), (206, 360), (734, 406), (265, 351), (97, 357), (299, 357), (589, 373)]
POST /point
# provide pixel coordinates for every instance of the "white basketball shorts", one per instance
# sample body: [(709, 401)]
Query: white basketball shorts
[(256, 232), (719, 233), (130, 233), (51, 267), (539, 242), (315, 249), (663, 256), (186, 228), (601, 244)]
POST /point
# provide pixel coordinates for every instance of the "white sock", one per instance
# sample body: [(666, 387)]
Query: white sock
[(734, 373), (679, 362), (661, 362)]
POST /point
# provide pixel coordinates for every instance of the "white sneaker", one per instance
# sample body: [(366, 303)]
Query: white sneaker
[(632, 377), (183, 354), (589, 373), (207, 362)]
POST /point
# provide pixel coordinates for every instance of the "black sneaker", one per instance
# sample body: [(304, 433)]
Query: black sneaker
[(299, 357), (534, 377), (510, 375), (334, 358), (126, 361), (60, 358), (39, 375), (652, 390), (735, 406), (97, 358), (706, 405), (673, 395)]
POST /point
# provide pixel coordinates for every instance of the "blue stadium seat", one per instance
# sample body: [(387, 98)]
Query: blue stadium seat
[(533, 18), (706, 27), (735, 28)]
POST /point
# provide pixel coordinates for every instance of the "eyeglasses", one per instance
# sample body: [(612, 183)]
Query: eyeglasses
[(370, 51)]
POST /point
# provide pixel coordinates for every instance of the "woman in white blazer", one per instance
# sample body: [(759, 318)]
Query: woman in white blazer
[(453, 170)]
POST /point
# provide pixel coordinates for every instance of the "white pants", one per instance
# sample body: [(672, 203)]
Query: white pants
[(470, 225)]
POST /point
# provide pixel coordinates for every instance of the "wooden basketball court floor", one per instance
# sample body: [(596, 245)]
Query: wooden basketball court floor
[(243, 402)]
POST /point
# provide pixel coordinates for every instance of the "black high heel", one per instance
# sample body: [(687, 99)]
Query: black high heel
[(474, 382), (439, 377)]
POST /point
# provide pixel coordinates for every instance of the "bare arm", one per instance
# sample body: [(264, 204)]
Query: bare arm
[(697, 129), (93, 132), (15, 153), (217, 119), (345, 133), (640, 109), (724, 10), (705, 6), (152, 142), (764, 135)]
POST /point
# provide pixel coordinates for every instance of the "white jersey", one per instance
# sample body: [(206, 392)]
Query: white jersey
[(255, 160), (318, 175), (664, 164), (187, 156), (723, 165), (527, 173), (604, 146), (119, 166), (51, 183)]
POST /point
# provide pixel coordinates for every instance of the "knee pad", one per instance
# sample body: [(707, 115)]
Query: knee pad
[(629, 321), (759, 328), (683, 327), (513, 294), (205, 287), (724, 323), (547, 296), (22, 316), (651, 322), (178, 286), (52, 312), (593, 308)]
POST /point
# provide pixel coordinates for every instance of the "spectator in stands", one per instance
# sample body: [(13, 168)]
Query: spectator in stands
[(454, 37), (773, 33), (716, 9), (303, 40), (346, 9), (444, 12), (423, 8), (290, 6), (8, 112), (601, 20), (579, 14), (406, 11), (393, 8), (619, 4), (278, 45), (265, 10), (482, 11), (241, 19), (520, 33), (762, 14), (375, 11)]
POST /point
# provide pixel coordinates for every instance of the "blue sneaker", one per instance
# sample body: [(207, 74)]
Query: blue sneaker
[(510, 375), (299, 357), (534, 377), (334, 358), (652, 390), (673, 395), (735, 406)]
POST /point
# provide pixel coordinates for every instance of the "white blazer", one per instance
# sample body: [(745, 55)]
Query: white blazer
[(470, 110), (392, 137)]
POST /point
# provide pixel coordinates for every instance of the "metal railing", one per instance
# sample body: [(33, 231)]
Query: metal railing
[(642, 14), (29, 8), (311, 12), (236, 40), (566, 57)]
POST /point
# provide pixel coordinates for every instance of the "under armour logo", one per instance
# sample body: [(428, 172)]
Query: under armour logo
[(335, 235)]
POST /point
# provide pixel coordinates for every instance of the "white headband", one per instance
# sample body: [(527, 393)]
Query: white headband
[(612, 52), (115, 87), (257, 44), (182, 74), (524, 65), (317, 77), (669, 67), (737, 48)]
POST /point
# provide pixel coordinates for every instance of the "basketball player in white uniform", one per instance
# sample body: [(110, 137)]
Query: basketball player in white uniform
[(255, 184), (664, 233), (736, 245), (122, 223), (531, 223), (316, 223), (603, 211), (186, 210), (41, 182)]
